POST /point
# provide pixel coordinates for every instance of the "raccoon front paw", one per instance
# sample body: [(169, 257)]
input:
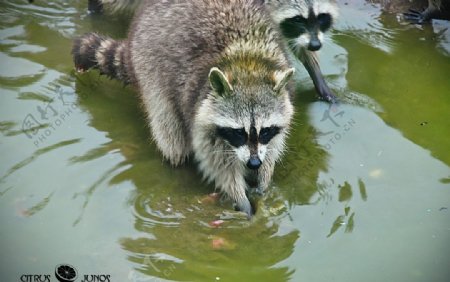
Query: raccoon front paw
[(326, 94), (416, 17)]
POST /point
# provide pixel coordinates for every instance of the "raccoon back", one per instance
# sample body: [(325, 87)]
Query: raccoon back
[(174, 44)]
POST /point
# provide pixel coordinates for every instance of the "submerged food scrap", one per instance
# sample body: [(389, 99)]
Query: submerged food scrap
[(216, 223), (220, 243)]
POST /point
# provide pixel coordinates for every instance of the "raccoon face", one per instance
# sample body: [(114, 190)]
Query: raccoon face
[(307, 32), (304, 22), (251, 122)]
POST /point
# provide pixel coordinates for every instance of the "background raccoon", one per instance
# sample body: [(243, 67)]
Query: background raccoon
[(303, 23), (212, 83)]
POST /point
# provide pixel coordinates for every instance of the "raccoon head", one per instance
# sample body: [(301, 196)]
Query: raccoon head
[(304, 22), (250, 120)]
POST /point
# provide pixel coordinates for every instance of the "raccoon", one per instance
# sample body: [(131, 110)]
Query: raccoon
[(303, 24), (213, 79), (436, 9)]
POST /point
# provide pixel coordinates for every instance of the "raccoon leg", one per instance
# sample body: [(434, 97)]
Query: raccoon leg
[(231, 181), (265, 173), (167, 130), (309, 60), (237, 193)]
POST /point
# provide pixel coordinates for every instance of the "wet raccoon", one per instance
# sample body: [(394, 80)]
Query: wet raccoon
[(303, 24), (212, 76)]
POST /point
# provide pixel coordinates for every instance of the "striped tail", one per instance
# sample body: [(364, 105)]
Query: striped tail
[(107, 55)]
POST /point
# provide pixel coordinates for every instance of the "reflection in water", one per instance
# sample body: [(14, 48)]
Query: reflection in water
[(347, 219), (27, 212), (87, 194), (176, 240), (361, 22), (37, 154)]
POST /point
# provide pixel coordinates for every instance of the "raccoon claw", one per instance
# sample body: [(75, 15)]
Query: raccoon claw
[(415, 17), (246, 207), (326, 94), (329, 97)]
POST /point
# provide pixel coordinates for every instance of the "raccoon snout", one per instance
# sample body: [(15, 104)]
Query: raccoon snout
[(254, 162), (314, 45)]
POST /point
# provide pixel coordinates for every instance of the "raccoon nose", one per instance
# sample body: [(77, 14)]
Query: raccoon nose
[(314, 45), (254, 163)]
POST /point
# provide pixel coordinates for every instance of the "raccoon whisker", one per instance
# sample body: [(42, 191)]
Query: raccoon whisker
[(223, 152), (296, 48), (287, 149)]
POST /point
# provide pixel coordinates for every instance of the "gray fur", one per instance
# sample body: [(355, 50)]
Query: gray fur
[(204, 64)]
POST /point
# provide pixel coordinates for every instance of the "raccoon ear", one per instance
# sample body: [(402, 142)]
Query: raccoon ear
[(219, 82), (282, 78)]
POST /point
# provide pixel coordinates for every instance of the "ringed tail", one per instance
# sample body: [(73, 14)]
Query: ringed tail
[(109, 56)]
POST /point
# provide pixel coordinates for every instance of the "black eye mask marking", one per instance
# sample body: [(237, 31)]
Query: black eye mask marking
[(324, 21), (298, 25), (267, 133), (236, 137), (294, 27)]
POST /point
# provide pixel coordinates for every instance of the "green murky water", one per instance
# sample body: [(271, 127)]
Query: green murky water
[(363, 193)]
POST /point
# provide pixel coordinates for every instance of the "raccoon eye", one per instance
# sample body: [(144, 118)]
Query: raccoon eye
[(236, 137), (324, 21), (267, 133), (294, 27)]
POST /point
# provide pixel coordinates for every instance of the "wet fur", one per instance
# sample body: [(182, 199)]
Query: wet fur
[(219, 64)]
